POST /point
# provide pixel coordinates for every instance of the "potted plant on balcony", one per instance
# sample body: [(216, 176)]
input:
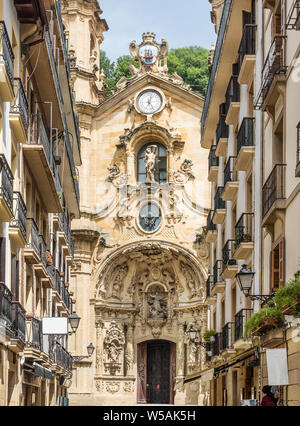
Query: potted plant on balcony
[(288, 298), (246, 238), (207, 335), (263, 321)]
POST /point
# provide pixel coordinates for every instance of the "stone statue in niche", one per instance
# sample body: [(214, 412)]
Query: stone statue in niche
[(121, 272), (189, 278), (113, 344), (150, 163), (157, 305)]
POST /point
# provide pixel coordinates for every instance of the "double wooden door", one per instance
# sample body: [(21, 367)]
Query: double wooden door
[(156, 372)]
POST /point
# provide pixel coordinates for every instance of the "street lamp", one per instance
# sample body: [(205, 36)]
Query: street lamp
[(245, 281), (74, 320), (90, 350), (193, 334)]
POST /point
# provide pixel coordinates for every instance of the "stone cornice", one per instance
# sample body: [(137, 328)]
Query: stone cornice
[(185, 95), (84, 234)]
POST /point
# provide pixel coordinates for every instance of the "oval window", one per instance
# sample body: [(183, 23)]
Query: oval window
[(150, 217)]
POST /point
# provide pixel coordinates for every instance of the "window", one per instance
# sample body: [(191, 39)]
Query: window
[(160, 163), (150, 217)]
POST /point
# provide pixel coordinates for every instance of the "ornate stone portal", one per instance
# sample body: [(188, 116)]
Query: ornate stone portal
[(140, 277)]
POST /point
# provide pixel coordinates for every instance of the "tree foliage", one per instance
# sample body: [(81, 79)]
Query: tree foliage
[(188, 62)]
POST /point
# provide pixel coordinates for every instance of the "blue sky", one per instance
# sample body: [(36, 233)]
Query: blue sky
[(181, 23)]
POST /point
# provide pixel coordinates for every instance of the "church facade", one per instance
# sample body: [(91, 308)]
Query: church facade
[(140, 257)]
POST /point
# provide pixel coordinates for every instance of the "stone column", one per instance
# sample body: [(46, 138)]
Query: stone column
[(129, 354), (130, 167), (99, 326), (180, 350)]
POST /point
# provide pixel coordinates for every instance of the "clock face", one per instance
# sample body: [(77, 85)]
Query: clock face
[(149, 101)]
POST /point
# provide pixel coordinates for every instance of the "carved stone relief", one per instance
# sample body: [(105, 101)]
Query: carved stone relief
[(113, 344)]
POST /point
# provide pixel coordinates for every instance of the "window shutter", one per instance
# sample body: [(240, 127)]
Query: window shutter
[(274, 269), (282, 261)]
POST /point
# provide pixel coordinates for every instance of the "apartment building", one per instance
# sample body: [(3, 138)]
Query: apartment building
[(39, 196), (250, 125)]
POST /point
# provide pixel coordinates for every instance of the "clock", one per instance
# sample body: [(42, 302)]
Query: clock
[(149, 101)]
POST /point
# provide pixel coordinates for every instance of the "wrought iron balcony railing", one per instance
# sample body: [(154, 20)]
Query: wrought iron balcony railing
[(20, 104), (33, 335), (216, 345), (274, 188), (32, 235), (5, 304), (42, 250), (218, 50), (210, 226), (209, 286), (217, 271), (6, 182), (293, 18), (245, 134), (227, 336), (20, 212), (222, 130), (18, 321), (54, 69), (62, 357), (248, 43), (6, 53), (275, 64), (213, 160), (244, 229), (219, 203), (67, 230), (230, 174), (240, 320), (228, 250), (232, 93)]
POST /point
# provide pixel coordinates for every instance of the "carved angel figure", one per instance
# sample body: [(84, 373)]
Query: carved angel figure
[(114, 172), (189, 278), (150, 163), (186, 168), (118, 280)]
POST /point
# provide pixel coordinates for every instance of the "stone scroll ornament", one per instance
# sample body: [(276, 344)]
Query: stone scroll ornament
[(113, 345), (185, 172)]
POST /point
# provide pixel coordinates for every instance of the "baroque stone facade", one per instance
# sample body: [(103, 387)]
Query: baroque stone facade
[(140, 269)]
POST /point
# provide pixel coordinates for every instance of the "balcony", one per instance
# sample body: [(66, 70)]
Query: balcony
[(227, 45), (5, 313), (293, 19), (230, 267), (62, 358), (215, 347), (231, 184), (244, 236), (64, 235), (210, 298), (219, 207), (32, 250), (273, 195), (18, 114), (228, 339), (17, 227), (218, 282), (247, 54), (273, 76), (6, 66), (245, 145), (17, 341), (221, 138), (6, 191), (41, 267), (33, 338), (38, 154), (232, 101), (213, 165), (61, 295), (211, 229), (240, 320)]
